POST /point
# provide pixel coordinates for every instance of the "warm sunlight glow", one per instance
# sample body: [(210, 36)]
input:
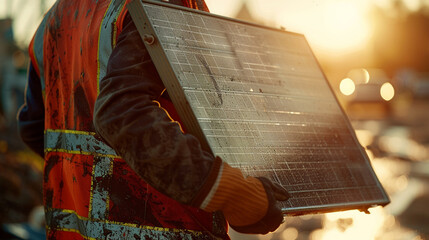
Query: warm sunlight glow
[(365, 137), (341, 15), (290, 233), (345, 25), (354, 225), (387, 91), (26, 17), (413, 5), (347, 86), (331, 26)]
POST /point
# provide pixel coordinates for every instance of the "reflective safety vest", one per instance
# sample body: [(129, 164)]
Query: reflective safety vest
[(89, 191)]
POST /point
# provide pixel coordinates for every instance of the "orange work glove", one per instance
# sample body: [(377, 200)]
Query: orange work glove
[(248, 204)]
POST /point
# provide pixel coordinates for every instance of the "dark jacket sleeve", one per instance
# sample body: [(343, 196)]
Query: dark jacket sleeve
[(128, 117), (31, 116)]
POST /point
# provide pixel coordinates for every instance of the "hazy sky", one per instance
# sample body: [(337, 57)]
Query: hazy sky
[(329, 25)]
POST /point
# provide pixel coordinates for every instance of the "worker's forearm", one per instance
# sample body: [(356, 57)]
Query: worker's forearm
[(128, 117)]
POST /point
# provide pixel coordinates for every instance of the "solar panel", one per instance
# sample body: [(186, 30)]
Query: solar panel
[(257, 97)]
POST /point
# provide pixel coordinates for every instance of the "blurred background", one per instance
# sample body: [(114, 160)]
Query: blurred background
[(375, 54)]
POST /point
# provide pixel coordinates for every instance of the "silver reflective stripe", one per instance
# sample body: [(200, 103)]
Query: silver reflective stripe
[(70, 221), (76, 142), (38, 50), (100, 196), (105, 37)]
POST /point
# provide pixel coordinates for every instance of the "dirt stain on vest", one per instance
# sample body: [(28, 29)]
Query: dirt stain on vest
[(116, 4), (131, 201), (50, 163), (49, 196), (87, 12), (76, 14), (86, 169), (80, 102), (82, 108)]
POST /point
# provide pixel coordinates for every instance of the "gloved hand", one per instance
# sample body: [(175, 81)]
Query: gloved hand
[(274, 217), (248, 203)]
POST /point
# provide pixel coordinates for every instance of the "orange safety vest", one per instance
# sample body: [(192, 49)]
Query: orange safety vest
[(89, 191)]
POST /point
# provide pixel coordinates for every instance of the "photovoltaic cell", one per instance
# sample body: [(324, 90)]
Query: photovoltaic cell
[(257, 97)]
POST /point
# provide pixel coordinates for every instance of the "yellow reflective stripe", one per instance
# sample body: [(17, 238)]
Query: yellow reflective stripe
[(48, 150), (69, 131), (115, 32)]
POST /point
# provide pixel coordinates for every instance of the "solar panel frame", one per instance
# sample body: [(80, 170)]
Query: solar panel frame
[(326, 200)]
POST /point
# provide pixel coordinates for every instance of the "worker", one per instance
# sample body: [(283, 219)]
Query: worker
[(118, 164)]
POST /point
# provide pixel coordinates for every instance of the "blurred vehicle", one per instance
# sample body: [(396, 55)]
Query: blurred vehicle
[(367, 93), (417, 83)]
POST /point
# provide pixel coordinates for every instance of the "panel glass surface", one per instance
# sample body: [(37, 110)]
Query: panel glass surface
[(264, 105)]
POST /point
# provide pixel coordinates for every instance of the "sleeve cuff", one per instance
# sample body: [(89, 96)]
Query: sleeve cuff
[(210, 185)]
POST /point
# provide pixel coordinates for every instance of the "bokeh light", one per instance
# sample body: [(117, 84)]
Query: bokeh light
[(347, 86), (359, 75), (387, 91)]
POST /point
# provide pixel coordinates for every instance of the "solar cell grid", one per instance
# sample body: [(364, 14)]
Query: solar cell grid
[(256, 97)]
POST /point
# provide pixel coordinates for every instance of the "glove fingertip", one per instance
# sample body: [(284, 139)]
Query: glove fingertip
[(280, 193), (281, 196)]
